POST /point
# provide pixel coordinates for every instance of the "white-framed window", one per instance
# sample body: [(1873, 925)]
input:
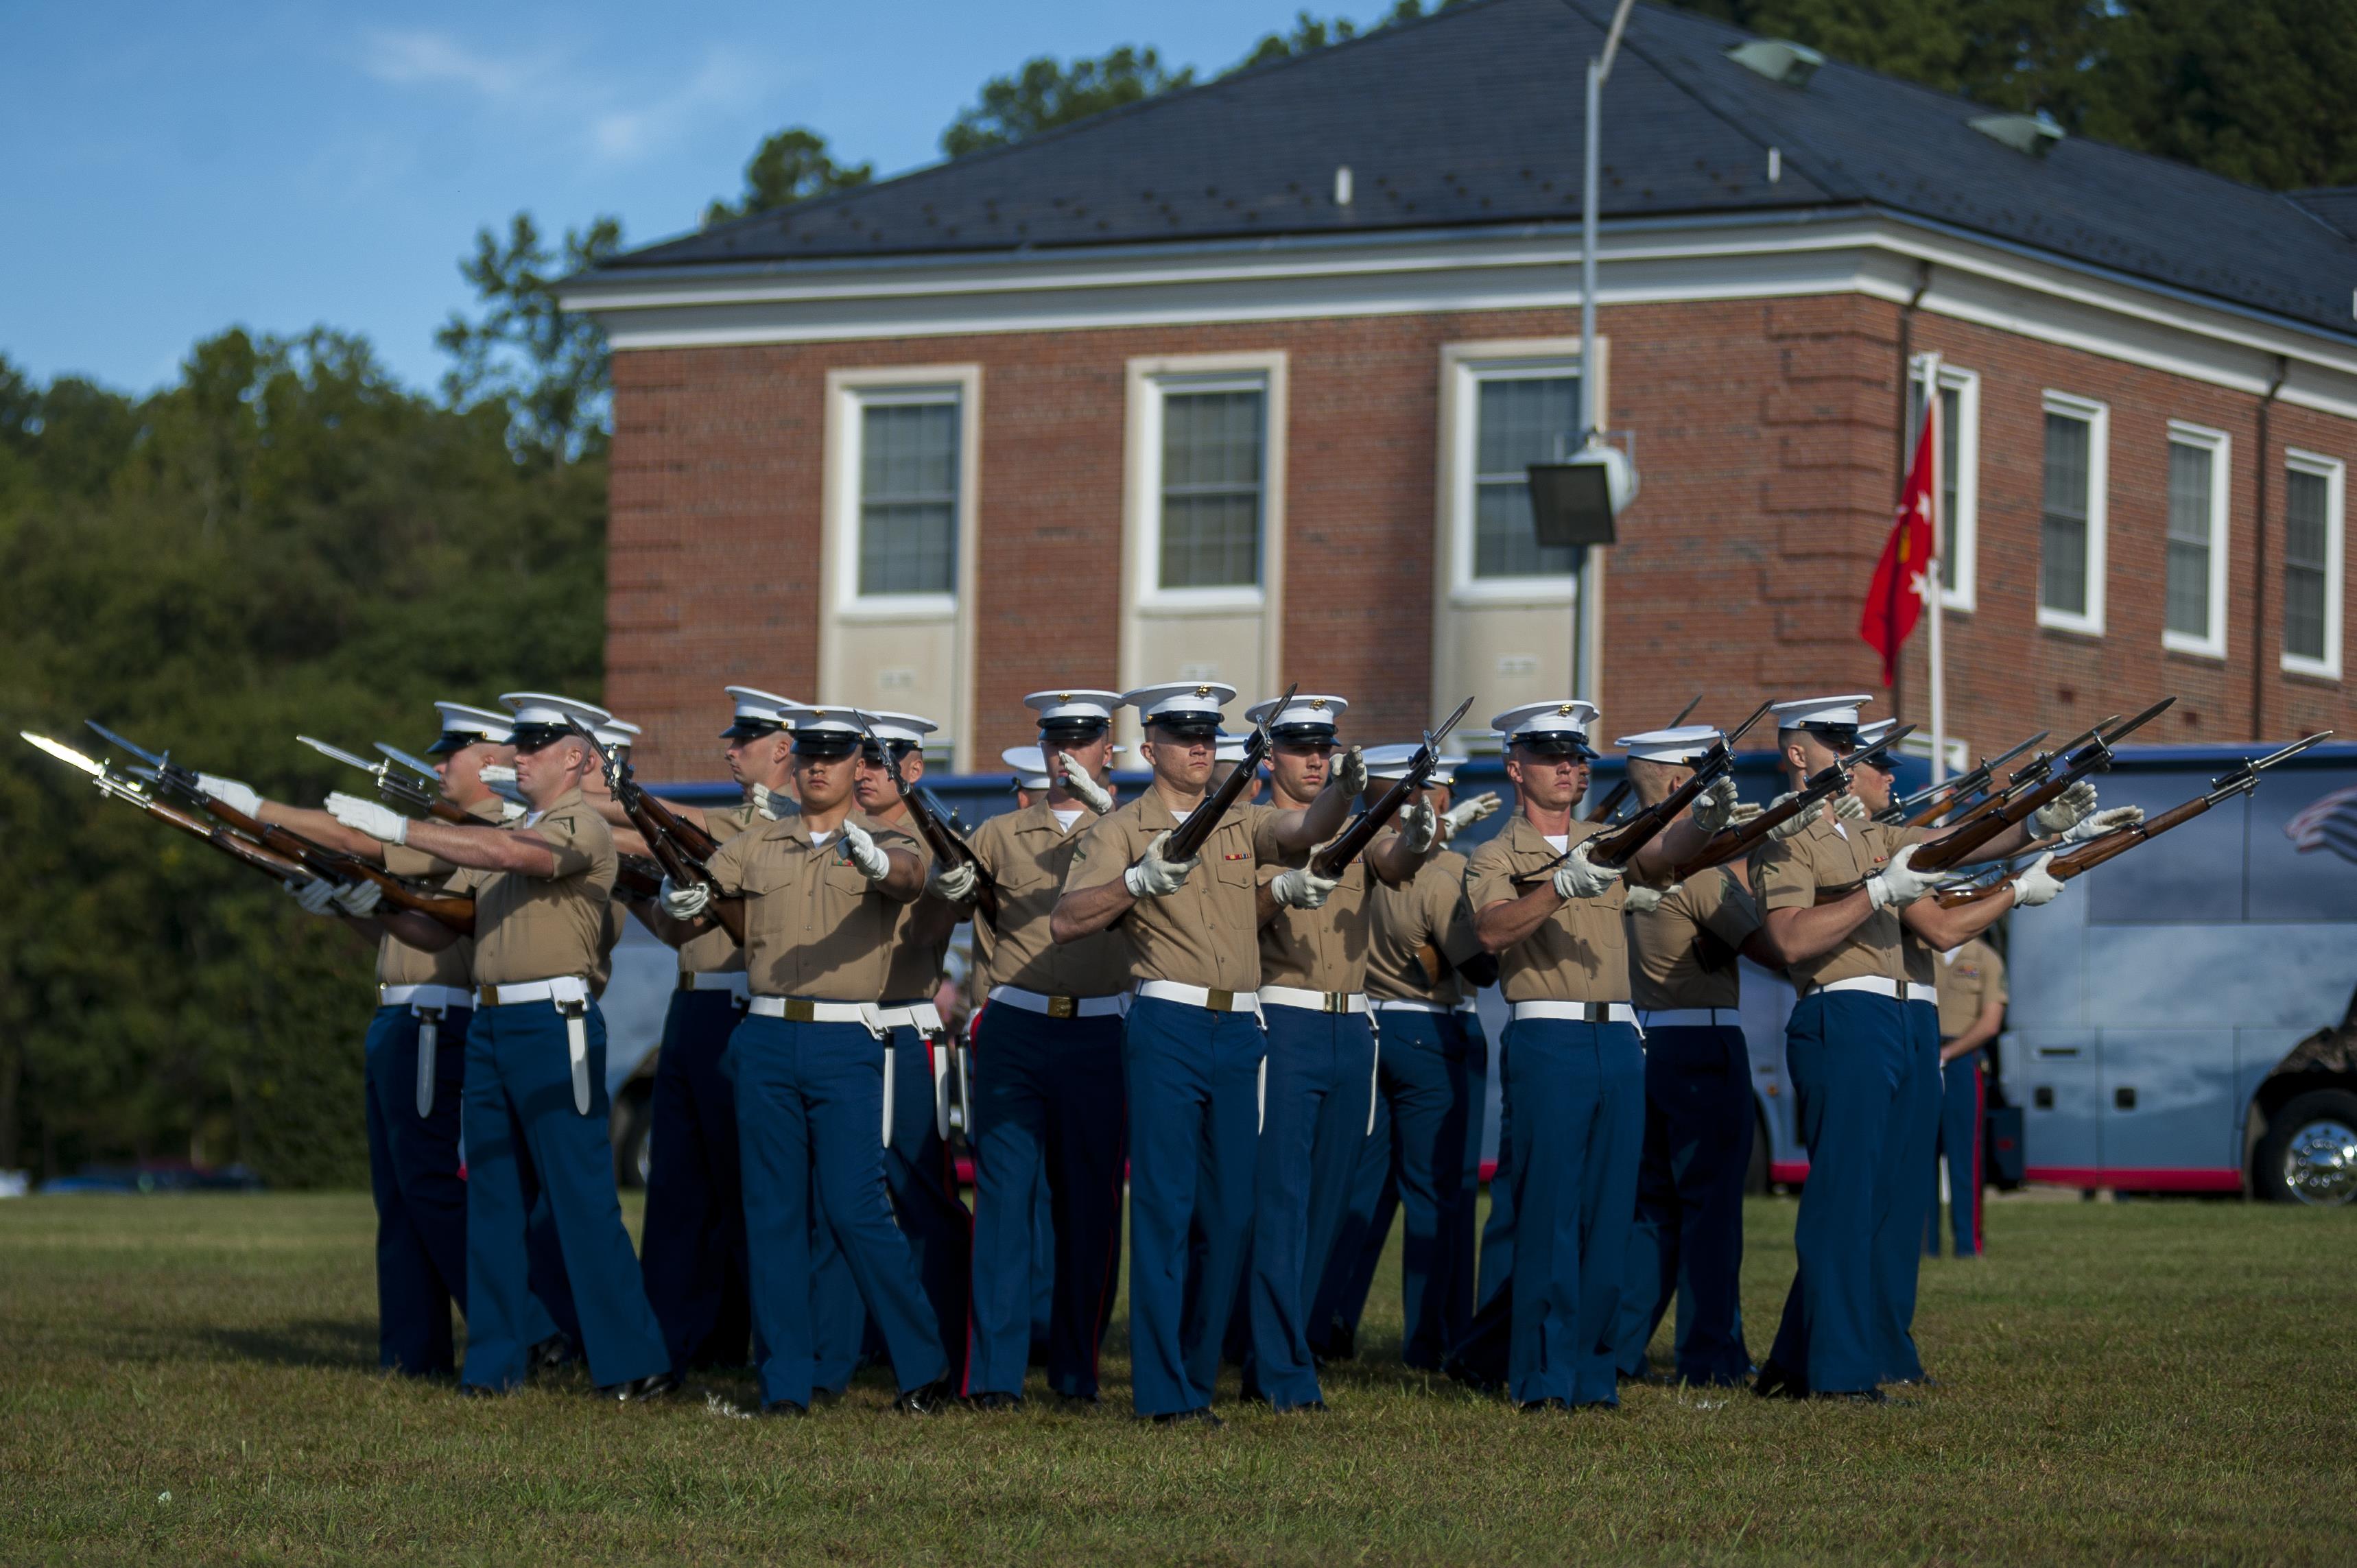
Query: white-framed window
[(2073, 516), (1960, 479), (2314, 563), (1509, 413), (1205, 534), (904, 468), (2193, 601)]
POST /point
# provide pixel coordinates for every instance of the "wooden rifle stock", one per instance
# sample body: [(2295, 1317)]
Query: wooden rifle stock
[(649, 817), (1983, 823), (1355, 837), (946, 843), (269, 863), (1188, 839), (692, 841), (332, 864)]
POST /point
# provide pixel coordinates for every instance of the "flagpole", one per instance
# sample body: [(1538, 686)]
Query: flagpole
[(1935, 431)]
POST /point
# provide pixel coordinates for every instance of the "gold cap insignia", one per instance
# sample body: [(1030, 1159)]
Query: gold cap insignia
[(1202, 691)]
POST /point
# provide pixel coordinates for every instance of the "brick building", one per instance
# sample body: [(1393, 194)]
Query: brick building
[(1239, 383)]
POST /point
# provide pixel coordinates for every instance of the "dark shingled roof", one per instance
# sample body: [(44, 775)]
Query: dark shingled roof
[(1472, 117)]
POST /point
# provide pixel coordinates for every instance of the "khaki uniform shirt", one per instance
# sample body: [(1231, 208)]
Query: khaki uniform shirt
[(913, 972), (1206, 933), (815, 928), (1579, 954), (538, 928), (1787, 872), (398, 963), (1323, 948), (1431, 908), (1970, 979), (1682, 952), (1028, 854), (716, 951)]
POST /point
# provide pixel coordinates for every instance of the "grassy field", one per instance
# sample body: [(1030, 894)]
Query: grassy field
[(193, 1380)]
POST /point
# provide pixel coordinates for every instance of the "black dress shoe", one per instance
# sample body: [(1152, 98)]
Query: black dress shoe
[(1777, 1383), (1201, 1416), (1340, 1343), (995, 1400), (1457, 1372), (930, 1399), (638, 1390), (778, 1408), (550, 1354)]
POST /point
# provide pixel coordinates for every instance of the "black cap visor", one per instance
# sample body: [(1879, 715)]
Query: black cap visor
[(1072, 732), (1843, 738), (532, 737), (1553, 744), (1303, 735), (452, 741), (750, 729), (1187, 728), (825, 743)]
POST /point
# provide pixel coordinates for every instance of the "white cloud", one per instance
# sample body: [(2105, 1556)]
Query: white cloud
[(625, 134), (429, 58)]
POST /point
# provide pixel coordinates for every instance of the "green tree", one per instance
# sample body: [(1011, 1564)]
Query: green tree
[(1044, 94), (792, 166), (547, 367)]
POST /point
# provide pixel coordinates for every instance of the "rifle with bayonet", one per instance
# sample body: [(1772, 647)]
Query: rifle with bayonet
[(334, 866), (1735, 843), (244, 851), (399, 791), (1623, 845), (667, 836), (1958, 844), (1602, 811), (1360, 832), (2082, 858), (1188, 839), (933, 824), (1927, 805), (2033, 773)]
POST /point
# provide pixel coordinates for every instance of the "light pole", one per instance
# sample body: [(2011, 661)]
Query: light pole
[(1619, 473)]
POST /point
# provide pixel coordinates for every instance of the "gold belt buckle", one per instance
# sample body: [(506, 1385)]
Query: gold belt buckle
[(1338, 1001), (1220, 1001), (1063, 1007), (802, 1012), (490, 996), (687, 983)]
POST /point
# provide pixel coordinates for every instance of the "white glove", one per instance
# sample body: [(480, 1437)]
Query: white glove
[(1155, 877), (237, 797), (2037, 885), (1093, 794), (359, 899), (1743, 814), (1849, 808), (1302, 888), (2066, 811), (953, 884), (316, 896), (1639, 899), (2096, 824), (762, 804), (1793, 826), (1350, 773), (1419, 826), (511, 809), (1899, 884), (1465, 813), (1714, 809), (1581, 878), (859, 848), (683, 903), (368, 817)]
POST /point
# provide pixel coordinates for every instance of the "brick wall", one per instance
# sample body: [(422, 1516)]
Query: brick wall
[(1767, 435)]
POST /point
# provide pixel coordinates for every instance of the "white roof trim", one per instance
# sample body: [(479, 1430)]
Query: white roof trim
[(1534, 267)]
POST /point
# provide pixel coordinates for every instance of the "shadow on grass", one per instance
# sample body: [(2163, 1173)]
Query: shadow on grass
[(305, 1342)]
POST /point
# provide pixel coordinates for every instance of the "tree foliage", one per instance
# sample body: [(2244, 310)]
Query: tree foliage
[(1043, 94), (792, 165), (547, 367), (2256, 92), (283, 540)]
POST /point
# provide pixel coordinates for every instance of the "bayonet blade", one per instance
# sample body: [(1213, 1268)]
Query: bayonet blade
[(1991, 765), (1737, 732), (1432, 738), (65, 754), (2293, 749), (141, 752), (2112, 737), (417, 765), (340, 755), (1689, 708)]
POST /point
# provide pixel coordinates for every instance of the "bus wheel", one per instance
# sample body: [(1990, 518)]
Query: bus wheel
[(2309, 1154)]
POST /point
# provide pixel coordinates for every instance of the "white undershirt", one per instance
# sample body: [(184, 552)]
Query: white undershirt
[(820, 835), (1066, 816), (1560, 843)]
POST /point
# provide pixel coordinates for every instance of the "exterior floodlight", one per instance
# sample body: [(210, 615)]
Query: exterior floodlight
[(1575, 502)]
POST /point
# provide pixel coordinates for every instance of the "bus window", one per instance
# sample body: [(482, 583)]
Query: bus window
[(2294, 884), (2194, 875)]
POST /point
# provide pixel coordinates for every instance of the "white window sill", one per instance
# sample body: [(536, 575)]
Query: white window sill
[(1493, 591), (1202, 601), (2193, 647), (901, 608), (1958, 601), (2318, 668), (2062, 620)]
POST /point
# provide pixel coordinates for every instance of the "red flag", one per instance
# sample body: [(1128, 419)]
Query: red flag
[(1902, 578)]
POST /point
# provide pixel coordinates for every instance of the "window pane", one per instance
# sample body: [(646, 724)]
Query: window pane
[(1951, 402), (2063, 579), (1519, 422), (1212, 460), (2188, 606), (2307, 542), (908, 498)]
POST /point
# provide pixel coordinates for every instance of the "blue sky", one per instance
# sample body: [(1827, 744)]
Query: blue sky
[(174, 169)]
